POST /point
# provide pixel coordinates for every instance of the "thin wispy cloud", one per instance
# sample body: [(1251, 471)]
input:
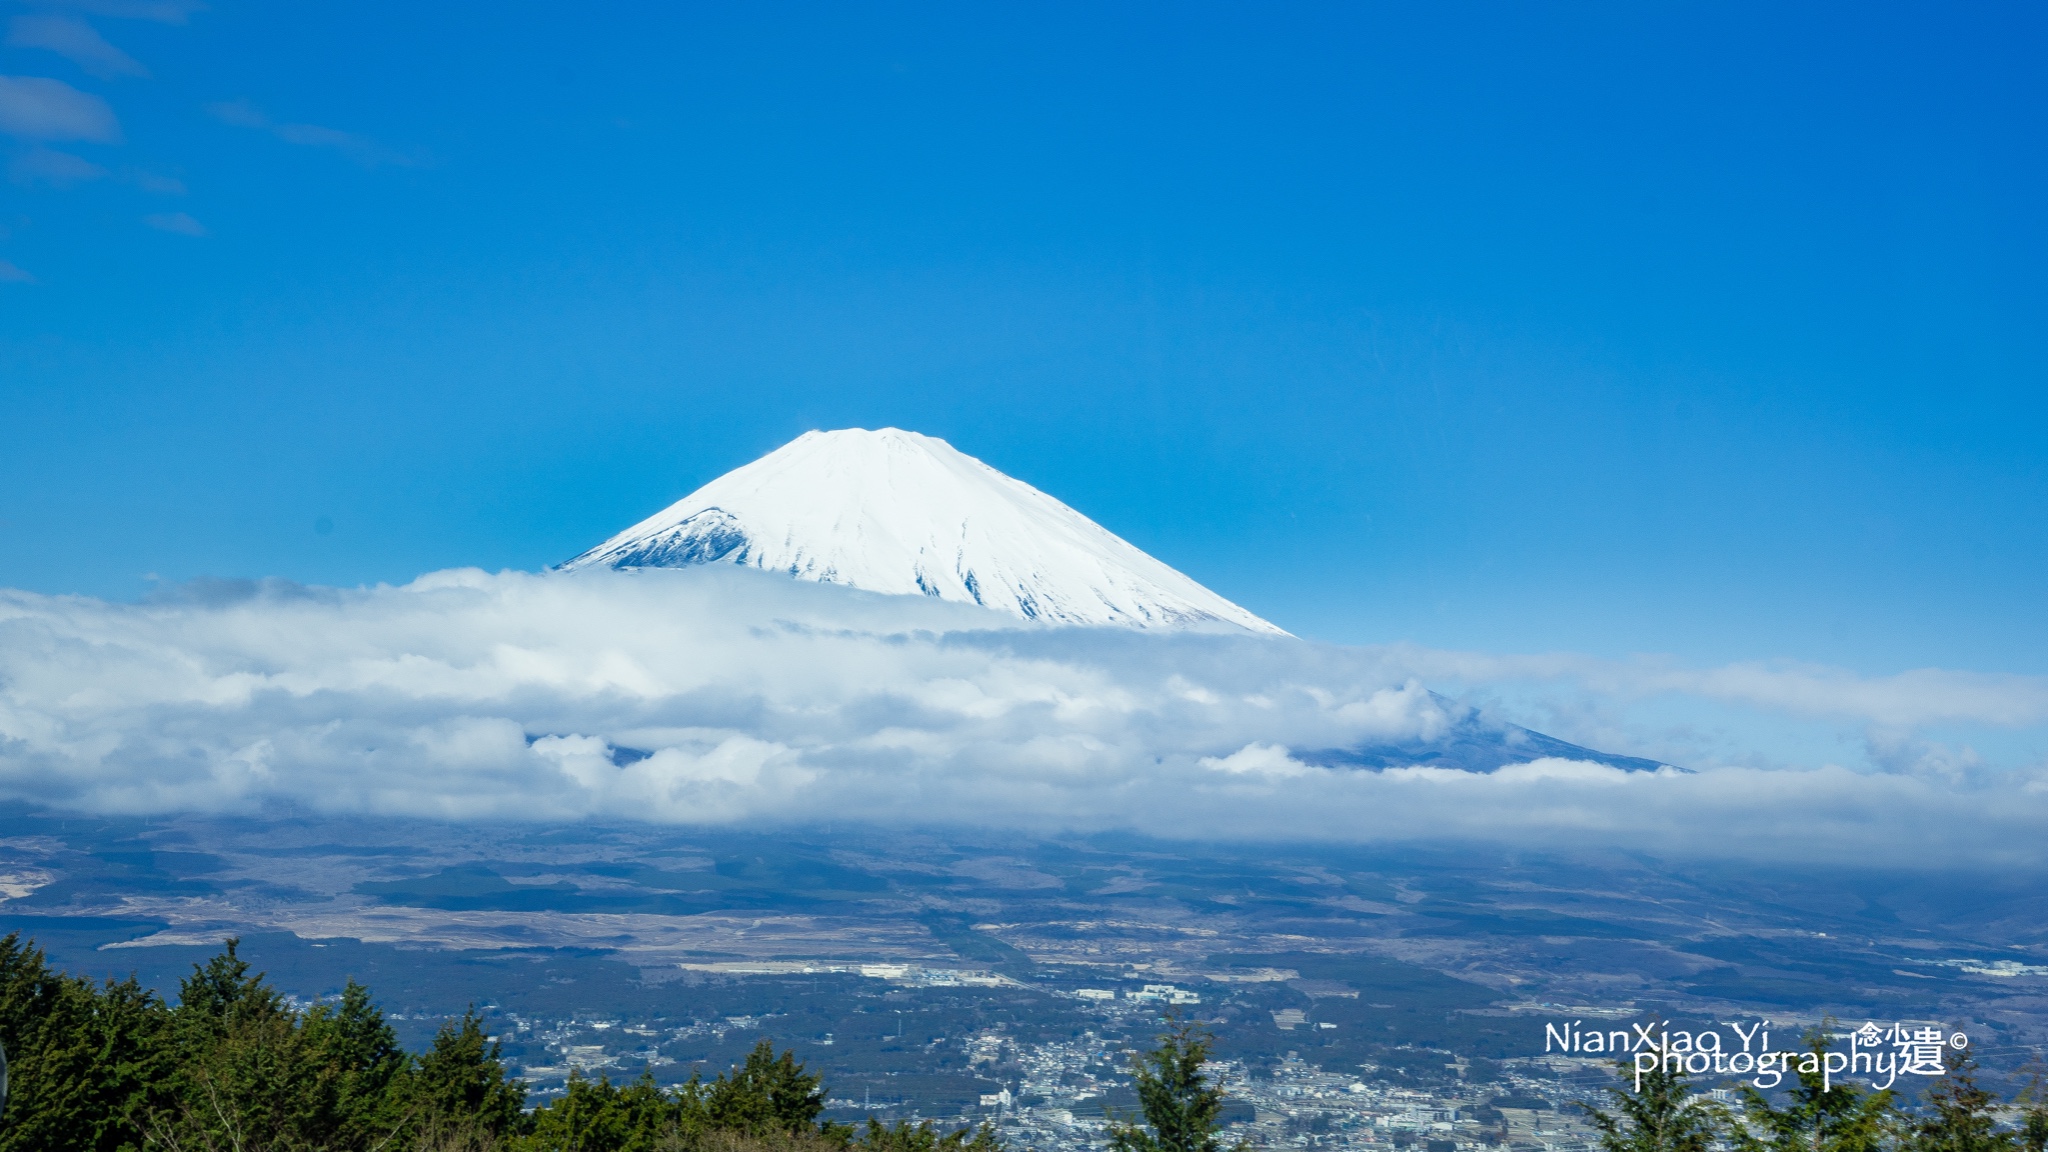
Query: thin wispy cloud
[(75, 40), (57, 169), (11, 274), (361, 149), (175, 222), (1912, 698), (240, 113), (157, 183), (159, 11), (714, 696), (39, 108)]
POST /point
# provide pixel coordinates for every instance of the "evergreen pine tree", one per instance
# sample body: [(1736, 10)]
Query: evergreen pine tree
[(1180, 1104), (766, 1094), (245, 1073), (595, 1116), (1817, 1116), (461, 1085), (38, 1020), (222, 992), (361, 1063), (1959, 1115), (1655, 1113), (133, 1062), (646, 1114), (585, 1118), (87, 1063), (2033, 1102), (925, 1137)]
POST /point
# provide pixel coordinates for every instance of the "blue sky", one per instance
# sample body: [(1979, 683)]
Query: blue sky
[(1710, 330)]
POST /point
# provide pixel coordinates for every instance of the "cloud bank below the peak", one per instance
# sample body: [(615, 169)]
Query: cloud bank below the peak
[(714, 696)]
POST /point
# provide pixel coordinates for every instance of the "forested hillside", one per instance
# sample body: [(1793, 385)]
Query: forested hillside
[(233, 1065)]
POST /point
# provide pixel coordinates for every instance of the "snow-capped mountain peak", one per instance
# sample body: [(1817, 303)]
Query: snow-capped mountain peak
[(898, 512)]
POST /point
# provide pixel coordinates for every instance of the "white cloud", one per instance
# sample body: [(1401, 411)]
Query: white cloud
[(177, 222), (160, 11), (75, 40), (1901, 751), (718, 696), (1913, 698), (10, 274), (361, 149), (38, 108), (240, 113), (157, 183), (57, 169), (1255, 759)]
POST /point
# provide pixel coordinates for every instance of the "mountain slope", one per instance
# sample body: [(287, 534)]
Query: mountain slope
[(897, 512), (1473, 742)]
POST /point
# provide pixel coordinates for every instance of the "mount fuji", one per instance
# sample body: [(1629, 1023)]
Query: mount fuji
[(898, 512)]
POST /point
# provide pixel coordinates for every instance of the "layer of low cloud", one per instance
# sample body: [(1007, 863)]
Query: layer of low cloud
[(722, 696), (1913, 698)]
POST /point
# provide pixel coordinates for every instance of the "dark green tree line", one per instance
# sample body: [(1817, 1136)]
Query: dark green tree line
[(232, 1065), (1661, 1112)]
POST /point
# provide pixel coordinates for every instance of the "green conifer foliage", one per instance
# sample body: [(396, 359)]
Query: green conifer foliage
[(1960, 1116), (1659, 1113), (360, 1063), (2033, 1102), (1179, 1103), (594, 1116), (461, 1083), (252, 1072), (1817, 1116), (766, 1094), (924, 1137), (85, 1063), (222, 992), (41, 1021)]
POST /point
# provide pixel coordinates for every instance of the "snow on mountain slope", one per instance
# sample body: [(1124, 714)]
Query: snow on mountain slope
[(894, 511)]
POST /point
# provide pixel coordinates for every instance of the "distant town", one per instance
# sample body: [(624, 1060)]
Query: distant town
[(1061, 1094)]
